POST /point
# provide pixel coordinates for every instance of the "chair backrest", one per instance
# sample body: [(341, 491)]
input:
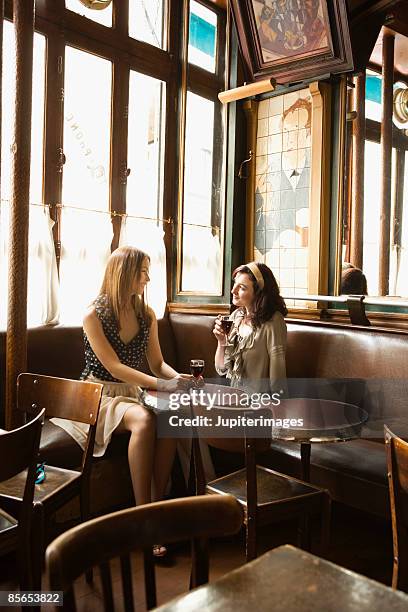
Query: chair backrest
[(397, 468), (61, 397), (19, 451), (75, 400), (98, 541)]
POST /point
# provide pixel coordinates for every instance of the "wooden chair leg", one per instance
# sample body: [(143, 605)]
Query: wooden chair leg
[(251, 542), (150, 579), (84, 503), (199, 564), (304, 532), (37, 545), (24, 560), (326, 522)]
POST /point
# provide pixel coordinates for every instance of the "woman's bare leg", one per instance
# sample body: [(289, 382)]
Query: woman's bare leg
[(163, 462), (141, 450)]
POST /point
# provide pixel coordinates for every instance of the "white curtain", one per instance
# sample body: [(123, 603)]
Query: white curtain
[(85, 248), (42, 284), (202, 260), (42, 302), (146, 236), (4, 228)]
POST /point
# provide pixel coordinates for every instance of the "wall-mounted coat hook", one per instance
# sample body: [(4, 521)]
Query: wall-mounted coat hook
[(241, 167)]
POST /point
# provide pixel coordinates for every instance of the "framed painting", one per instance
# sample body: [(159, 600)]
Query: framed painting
[(292, 40)]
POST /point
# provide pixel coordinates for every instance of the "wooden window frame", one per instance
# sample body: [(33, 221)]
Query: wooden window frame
[(63, 27), (207, 85)]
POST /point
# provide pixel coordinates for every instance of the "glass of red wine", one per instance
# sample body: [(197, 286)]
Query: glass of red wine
[(197, 368), (226, 325)]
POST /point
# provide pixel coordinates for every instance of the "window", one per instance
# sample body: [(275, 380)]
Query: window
[(87, 109), (373, 96), (101, 111), (201, 235), (42, 307), (146, 124), (146, 21), (37, 123), (202, 36), (201, 241), (371, 215)]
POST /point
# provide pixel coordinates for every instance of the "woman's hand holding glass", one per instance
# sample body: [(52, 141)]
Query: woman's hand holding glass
[(181, 382), (221, 329)]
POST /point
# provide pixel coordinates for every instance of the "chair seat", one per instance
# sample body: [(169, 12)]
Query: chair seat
[(6, 521), (272, 486), (56, 480)]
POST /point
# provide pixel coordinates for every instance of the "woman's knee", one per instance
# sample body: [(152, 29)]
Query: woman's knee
[(139, 419)]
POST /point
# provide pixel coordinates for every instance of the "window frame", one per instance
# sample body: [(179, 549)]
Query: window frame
[(63, 27), (205, 84)]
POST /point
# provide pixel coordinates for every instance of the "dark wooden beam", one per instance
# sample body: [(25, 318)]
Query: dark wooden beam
[(16, 343), (357, 208), (119, 127), (54, 118), (386, 162)]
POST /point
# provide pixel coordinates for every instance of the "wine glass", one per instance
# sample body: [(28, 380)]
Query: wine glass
[(197, 367), (226, 324)]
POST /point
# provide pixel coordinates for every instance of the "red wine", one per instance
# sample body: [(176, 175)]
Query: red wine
[(226, 325), (197, 370)]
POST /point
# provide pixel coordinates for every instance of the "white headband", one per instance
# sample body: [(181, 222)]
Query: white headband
[(253, 266)]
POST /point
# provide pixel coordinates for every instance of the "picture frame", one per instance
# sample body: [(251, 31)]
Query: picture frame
[(292, 40)]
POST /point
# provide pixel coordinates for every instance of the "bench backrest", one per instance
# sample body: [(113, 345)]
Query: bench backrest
[(315, 350)]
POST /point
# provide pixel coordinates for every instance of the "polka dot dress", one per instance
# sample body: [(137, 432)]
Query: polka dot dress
[(117, 396), (130, 354)]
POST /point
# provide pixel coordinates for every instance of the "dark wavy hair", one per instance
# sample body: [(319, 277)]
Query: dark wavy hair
[(353, 282), (267, 300)]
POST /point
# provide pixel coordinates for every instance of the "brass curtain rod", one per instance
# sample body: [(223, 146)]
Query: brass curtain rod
[(112, 213)]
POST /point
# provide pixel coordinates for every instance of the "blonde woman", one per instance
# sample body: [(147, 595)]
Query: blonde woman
[(119, 331)]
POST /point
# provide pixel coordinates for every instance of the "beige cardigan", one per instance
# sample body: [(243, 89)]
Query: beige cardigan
[(257, 361)]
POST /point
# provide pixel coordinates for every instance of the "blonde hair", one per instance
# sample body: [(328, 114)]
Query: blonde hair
[(124, 265)]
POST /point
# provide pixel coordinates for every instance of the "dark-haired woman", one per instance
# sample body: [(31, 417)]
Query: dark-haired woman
[(253, 353)]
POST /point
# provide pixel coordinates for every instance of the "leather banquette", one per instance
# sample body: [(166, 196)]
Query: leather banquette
[(354, 471)]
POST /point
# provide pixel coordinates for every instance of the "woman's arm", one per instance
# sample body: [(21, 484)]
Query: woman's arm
[(220, 352), (107, 356), (158, 366)]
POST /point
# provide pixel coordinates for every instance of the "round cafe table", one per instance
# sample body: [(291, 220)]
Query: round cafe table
[(318, 421)]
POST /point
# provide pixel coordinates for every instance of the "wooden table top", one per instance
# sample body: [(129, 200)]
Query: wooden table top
[(286, 579)]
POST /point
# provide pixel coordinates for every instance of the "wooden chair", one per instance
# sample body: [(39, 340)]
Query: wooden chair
[(397, 470), (100, 540), (67, 399), (18, 453), (266, 496)]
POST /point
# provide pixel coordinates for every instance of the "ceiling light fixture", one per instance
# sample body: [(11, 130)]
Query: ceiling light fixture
[(96, 5)]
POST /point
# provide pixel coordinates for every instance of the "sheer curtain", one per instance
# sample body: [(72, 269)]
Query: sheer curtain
[(42, 284), (86, 238), (202, 260), (4, 227), (42, 299), (146, 236)]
